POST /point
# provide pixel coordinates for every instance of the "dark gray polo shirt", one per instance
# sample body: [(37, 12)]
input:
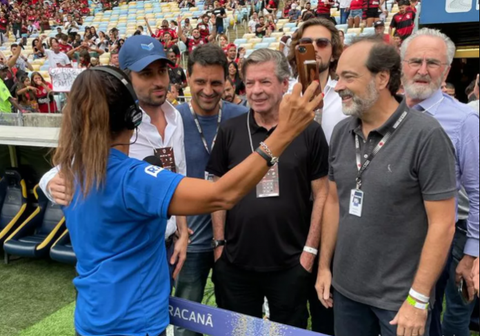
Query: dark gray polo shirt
[(377, 255)]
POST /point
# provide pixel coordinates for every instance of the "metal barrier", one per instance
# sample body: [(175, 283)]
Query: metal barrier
[(11, 119), (218, 322)]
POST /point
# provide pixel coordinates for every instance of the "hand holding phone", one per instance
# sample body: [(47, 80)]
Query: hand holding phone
[(307, 68), (463, 292)]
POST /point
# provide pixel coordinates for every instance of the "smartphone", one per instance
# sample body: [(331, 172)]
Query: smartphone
[(307, 67), (463, 292)]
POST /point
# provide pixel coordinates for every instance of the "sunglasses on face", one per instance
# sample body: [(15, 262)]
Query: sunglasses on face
[(320, 42)]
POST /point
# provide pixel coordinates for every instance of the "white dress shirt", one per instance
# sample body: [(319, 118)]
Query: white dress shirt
[(147, 142), (332, 107)]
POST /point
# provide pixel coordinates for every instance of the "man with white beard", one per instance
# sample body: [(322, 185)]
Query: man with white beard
[(390, 211), (427, 57)]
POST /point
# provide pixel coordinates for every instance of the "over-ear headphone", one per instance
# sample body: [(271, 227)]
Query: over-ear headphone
[(130, 117)]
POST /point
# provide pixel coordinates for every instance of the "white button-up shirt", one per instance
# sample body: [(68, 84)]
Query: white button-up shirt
[(332, 107), (148, 141)]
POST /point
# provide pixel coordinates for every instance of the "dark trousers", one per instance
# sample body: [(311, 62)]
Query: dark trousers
[(322, 318), (354, 318), (456, 319), (243, 292)]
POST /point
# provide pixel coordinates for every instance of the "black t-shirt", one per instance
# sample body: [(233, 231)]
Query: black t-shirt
[(268, 234), (219, 12), (177, 76), (261, 33)]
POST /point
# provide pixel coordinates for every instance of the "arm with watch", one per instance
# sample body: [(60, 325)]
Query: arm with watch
[(218, 223)]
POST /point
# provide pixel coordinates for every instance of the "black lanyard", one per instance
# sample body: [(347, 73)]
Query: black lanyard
[(199, 127), (361, 168)]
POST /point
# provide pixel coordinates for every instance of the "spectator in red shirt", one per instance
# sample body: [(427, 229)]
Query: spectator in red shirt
[(203, 26), (3, 28), (324, 8), (46, 103), (196, 39), (356, 14), (403, 21), (63, 43)]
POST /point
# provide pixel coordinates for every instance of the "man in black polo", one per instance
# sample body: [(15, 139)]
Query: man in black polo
[(390, 211), (266, 245)]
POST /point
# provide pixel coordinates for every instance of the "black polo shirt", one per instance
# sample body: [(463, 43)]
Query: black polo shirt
[(377, 255), (268, 234)]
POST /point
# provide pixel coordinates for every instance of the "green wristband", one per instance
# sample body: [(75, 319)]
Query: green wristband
[(412, 302)]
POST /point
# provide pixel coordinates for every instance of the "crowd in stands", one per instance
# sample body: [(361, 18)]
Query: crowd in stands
[(37, 36)]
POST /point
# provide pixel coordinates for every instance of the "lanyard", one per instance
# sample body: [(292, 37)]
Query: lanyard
[(438, 102), (199, 127), (361, 168), (249, 133)]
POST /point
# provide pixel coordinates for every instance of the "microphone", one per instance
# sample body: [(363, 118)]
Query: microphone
[(153, 160)]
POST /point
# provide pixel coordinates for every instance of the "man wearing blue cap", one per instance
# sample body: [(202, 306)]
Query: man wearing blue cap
[(161, 133)]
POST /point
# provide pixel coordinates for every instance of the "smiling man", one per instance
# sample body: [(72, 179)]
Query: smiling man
[(266, 245), (207, 71), (390, 212)]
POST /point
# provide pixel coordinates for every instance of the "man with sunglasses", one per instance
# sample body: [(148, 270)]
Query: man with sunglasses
[(328, 47), (427, 58)]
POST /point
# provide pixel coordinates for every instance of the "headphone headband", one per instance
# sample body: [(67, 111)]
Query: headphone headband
[(132, 116)]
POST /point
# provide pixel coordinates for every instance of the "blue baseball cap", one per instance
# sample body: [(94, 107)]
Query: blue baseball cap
[(139, 51)]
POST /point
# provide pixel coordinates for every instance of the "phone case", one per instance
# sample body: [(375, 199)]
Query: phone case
[(307, 67)]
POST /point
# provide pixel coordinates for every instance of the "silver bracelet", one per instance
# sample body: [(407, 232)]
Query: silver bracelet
[(266, 149)]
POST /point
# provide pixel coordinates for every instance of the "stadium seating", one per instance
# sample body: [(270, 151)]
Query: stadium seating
[(13, 203), (62, 250), (38, 232)]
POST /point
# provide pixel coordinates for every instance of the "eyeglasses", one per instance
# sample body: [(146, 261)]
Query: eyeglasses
[(416, 63), (319, 42)]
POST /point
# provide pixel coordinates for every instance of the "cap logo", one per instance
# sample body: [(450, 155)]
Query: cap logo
[(148, 47)]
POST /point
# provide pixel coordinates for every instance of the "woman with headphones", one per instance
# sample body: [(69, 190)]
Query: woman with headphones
[(120, 206)]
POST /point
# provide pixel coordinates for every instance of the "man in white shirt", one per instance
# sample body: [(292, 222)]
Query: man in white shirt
[(253, 23), (328, 48), (161, 133), (56, 58)]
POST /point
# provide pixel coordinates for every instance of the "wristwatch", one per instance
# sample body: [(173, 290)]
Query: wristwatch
[(217, 243)]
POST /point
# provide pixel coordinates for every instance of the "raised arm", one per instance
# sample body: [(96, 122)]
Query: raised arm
[(180, 33), (148, 26), (194, 196), (13, 60)]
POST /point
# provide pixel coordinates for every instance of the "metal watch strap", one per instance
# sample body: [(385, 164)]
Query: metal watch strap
[(265, 156)]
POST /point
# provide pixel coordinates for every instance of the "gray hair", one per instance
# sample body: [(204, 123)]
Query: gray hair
[(282, 70), (451, 48)]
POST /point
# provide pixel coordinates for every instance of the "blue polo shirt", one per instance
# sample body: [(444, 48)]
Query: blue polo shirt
[(117, 234), (197, 159)]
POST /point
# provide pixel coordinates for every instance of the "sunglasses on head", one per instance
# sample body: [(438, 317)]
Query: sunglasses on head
[(320, 42)]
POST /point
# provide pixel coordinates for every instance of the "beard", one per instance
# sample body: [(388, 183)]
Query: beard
[(419, 91), (360, 105), (322, 66)]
